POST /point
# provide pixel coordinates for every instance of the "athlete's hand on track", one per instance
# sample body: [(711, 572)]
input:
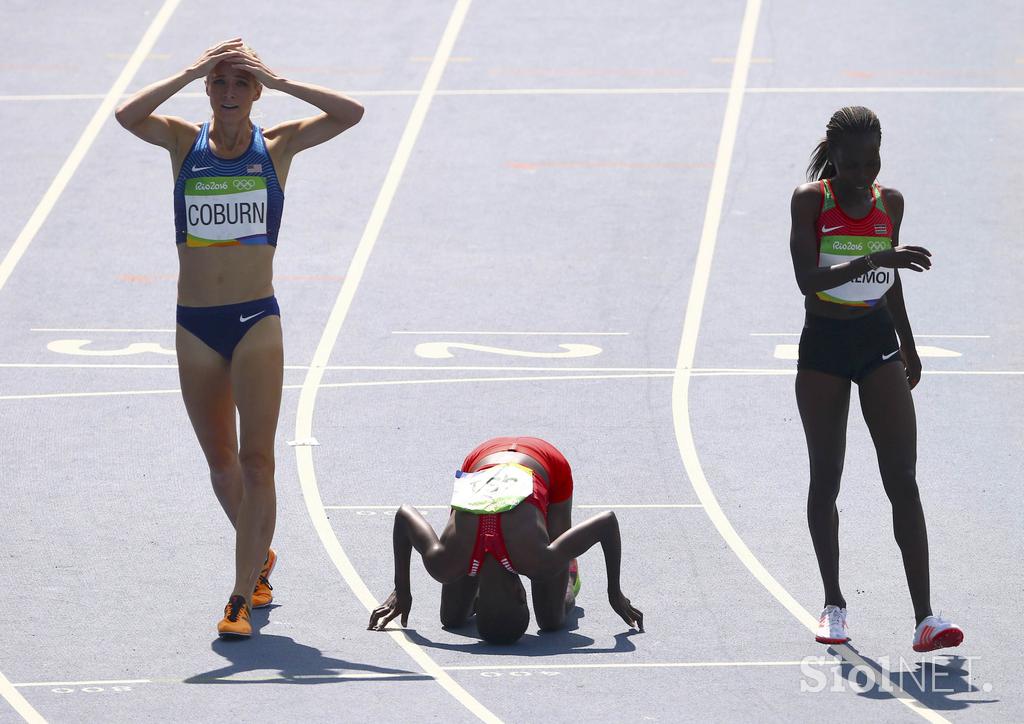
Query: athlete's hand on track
[(622, 606), (912, 363), (215, 54), (915, 258), (394, 605)]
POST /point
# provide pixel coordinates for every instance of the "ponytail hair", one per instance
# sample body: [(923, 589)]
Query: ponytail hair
[(846, 121)]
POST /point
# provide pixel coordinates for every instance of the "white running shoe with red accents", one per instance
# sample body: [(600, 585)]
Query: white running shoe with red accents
[(832, 626), (936, 632)]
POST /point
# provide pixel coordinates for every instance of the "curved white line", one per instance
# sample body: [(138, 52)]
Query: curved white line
[(687, 352), (307, 396)]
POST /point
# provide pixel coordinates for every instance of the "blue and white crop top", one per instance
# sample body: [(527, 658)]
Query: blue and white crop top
[(227, 202)]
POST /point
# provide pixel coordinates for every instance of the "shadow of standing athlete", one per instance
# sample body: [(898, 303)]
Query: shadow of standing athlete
[(296, 664)]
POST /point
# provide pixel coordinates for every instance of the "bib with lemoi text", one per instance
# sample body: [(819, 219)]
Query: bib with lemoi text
[(226, 210), (492, 490)]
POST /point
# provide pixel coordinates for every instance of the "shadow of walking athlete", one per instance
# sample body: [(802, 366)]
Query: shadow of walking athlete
[(492, 538)]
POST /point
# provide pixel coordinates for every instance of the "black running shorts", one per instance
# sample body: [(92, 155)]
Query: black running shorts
[(850, 348)]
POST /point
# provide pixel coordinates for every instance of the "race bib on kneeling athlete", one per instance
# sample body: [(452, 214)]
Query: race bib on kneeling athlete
[(492, 490), (226, 210)]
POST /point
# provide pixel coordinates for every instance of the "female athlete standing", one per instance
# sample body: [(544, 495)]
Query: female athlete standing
[(228, 197), (845, 248)]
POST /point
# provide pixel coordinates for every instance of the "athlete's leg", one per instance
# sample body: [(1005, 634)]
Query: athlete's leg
[(257, 374), (889, 412), (552, 597), (206, 390), (457, 601), (824, 403)]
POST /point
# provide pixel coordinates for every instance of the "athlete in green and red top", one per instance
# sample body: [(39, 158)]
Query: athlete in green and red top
[(846, 255), (842, 238)]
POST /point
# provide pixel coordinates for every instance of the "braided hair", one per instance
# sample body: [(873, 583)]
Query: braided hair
[(846, 121)]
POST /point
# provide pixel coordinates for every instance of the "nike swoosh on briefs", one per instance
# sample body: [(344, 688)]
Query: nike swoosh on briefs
[(251, 316), (823, 229), (200, 168), (887, 356)]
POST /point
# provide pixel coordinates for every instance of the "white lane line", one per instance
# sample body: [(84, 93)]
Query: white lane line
[(492, 368), (78, 365), (102, 682), (916, 335), (845, 90), (18, 702), (696, 371), (61, 395), (92, 329), (529, 334), (307, 395), (688, 347), (263, 678), (518, 378), (92, 130), (46, 204), (186, 94), (782, 90), (589, 506), (666, 665)]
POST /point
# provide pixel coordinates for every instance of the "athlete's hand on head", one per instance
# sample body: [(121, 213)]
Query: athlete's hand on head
[(394, 605), (915, 258), (257, 68), (215, 54), (632, 616), (912, 363)]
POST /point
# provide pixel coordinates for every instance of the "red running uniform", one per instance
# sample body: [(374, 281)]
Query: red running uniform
[(489, 538)]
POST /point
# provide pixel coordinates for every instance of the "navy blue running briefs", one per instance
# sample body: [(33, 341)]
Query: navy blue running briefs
[(222, 328)]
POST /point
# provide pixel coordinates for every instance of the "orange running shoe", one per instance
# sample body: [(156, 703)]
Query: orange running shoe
[(235, 623), (262, 595)]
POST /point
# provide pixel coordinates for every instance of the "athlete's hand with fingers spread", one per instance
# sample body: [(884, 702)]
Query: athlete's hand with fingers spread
[(632, 616), (257, 68), (215, 54), (915, 258), (394, 605), (912, 363)]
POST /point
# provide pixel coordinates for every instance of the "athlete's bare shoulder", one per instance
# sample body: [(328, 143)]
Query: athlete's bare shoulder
[(892, 197), (811, 189), (806, 200), (893, 201)]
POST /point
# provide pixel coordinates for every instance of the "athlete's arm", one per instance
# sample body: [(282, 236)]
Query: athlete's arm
[(894, 297), (137, 113), (413, 531), (803, 247), (603, 529), (339, 111)]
